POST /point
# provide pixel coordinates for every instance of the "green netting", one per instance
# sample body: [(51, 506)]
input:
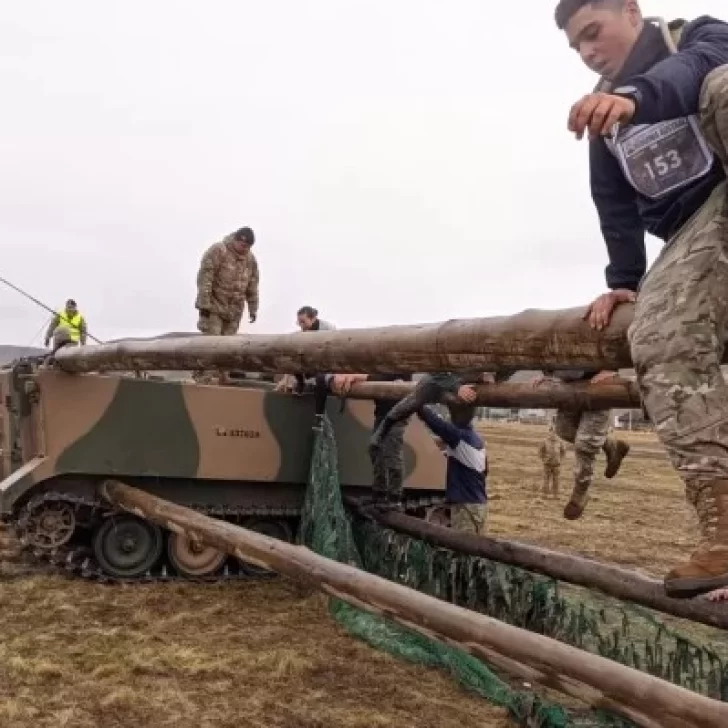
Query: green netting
[(575, 616)]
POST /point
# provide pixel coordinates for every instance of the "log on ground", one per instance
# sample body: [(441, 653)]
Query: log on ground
[(529, 340), (610, 579), (597, 679)]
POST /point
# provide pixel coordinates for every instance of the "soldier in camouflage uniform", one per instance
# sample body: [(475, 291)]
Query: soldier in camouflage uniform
[(658, 125), (551, 451), (387, 460), (428, 391), (588, 432), (228, 279)]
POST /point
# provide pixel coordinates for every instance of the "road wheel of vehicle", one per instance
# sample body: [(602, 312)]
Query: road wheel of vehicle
[(127, 547), (191, 558), (49, 526)]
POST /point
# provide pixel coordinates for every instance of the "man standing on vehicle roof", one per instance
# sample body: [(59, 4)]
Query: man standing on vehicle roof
[(228, 279), (71, 320), (658, 125)]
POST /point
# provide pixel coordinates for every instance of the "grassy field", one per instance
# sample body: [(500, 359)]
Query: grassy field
[(267, 654)]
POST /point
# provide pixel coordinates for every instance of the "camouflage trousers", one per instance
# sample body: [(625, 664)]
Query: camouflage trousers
[(587, 431), (388, 461), (469, 517), (551, 475), (214, 325), (679, 330)]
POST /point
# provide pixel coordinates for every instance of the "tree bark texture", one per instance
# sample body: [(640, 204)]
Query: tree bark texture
[(578, 396), (616, 581), (532, 339), (607, 683)]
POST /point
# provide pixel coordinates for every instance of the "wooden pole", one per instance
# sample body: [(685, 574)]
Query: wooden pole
[(616, 581), (578, 396), (661, 702), (532, 339)]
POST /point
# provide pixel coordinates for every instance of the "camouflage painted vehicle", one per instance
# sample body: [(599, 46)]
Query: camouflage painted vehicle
[(239, 453)]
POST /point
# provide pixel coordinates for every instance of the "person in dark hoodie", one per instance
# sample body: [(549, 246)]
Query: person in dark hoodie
[(658, 129)]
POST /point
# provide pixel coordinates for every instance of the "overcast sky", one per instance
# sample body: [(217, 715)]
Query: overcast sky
[(399, 160)]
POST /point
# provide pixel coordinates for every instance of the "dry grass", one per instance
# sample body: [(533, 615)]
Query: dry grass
[(258, 654), (265, 654), (639, 519)]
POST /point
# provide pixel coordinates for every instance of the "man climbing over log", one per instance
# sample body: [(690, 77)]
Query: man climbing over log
[(307, 319), (387, 461), (658, 130), (589, 433), (429, 390)]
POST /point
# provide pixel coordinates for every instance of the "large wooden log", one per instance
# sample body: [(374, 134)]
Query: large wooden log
[(578, 396), (613, 580), (603, 682), (529, 340)]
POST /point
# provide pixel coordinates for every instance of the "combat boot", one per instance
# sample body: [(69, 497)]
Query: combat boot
[(577, 502), (616, 451), (707, 568)]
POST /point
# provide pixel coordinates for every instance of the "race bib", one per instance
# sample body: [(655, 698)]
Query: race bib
[(660, 158)]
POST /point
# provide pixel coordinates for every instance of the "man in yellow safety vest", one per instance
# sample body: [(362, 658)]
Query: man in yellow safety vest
[(69, 319)]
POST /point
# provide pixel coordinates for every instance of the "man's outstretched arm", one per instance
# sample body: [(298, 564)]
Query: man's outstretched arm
[(439, 426)]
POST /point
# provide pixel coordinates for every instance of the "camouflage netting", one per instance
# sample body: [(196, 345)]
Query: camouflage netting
[(588, 620)]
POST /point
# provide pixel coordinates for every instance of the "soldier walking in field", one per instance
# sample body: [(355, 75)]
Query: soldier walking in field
[(227, 280), (551, 451), (589, 433)]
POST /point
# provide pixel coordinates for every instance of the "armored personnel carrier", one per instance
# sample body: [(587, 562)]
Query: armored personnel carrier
[(240, 452)]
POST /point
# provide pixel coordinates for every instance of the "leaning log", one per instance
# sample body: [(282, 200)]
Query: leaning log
[(532, 339), (588, 677), (616, 581), (621, 395)]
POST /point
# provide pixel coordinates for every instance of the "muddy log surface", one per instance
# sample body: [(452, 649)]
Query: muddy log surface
[(622, 395), (531, 339)]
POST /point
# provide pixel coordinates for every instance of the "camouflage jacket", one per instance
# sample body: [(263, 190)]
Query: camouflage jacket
[(552, 450), (226, 281)]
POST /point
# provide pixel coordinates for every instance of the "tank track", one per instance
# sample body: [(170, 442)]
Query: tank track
[(79, 561)]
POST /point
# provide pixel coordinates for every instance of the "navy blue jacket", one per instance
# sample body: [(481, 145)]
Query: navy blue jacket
[(669, 86), (467, 463)]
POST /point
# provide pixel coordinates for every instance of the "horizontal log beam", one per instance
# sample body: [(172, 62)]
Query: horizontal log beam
[(614, 580), (668, 705), (621, 395), (529, 340)]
